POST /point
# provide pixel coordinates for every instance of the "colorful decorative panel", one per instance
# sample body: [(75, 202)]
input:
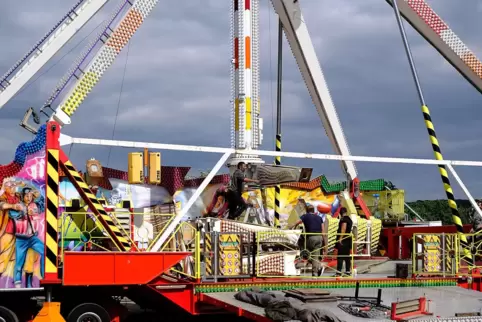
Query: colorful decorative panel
[(22, 216)]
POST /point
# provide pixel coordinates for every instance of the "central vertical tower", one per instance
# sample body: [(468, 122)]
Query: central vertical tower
[(246, 124)]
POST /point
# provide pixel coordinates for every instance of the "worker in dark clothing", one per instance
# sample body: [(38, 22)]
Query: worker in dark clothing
[(315, 238), (344, 242), (235, 192)]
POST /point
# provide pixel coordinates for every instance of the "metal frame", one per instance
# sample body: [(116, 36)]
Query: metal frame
[(66, 140), (299, 39), (43, 51)]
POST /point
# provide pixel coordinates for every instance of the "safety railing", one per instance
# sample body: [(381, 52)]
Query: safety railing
[(185, 238), (225, 255), (444, 255), (466, 266), (282, 259), (82, 231), (435, 254)]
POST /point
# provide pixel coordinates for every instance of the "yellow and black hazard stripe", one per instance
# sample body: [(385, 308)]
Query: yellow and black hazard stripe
[(51, 213), (277, 189), (208, 259), (277, 160), (445, 178), (115, 232)]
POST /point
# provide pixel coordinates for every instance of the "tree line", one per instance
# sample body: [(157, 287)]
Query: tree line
[(431, 210)]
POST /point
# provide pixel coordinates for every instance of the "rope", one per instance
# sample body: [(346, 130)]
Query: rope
[(119, 100)]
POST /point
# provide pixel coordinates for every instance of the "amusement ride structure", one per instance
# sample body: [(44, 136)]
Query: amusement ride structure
[(198, 265)]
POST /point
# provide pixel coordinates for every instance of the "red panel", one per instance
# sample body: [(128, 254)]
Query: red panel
[(183, 298), (410, 230), (53, 134), (364, 207), (392, 235), (115, 268), (52, 143)]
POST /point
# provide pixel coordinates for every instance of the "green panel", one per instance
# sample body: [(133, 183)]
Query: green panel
[(369, 185)]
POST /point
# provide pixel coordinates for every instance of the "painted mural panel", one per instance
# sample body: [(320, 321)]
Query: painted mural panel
[(200, 204), (141, 196), (22, 224)]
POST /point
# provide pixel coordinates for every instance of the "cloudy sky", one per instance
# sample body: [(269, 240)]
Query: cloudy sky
[(176, 87)]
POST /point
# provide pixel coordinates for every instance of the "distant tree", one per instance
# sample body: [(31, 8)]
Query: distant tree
[(432, 210)]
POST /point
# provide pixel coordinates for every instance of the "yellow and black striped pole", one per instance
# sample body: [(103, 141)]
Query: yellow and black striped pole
[(52, 202), (444, 175), (277, 192), (433, 138)]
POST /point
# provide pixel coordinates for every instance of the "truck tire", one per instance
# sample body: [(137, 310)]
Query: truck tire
[(7, 315), (88, 312)]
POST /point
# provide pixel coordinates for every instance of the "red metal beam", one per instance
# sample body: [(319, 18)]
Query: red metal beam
[(52, 148), (408, 231), (117, 268), (392, 236), (182, 297)]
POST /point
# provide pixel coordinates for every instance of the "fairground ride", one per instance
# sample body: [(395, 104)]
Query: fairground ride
[(87, 283)]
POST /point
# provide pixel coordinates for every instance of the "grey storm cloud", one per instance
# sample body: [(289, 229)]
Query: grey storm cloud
[(176, 87)]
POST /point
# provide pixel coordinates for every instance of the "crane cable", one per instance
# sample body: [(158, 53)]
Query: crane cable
[(119, 100)]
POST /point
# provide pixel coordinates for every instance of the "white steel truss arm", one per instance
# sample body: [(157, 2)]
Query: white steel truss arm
[(85, 57), (20, 73), (430, 26), (116, 37), (296, 32)]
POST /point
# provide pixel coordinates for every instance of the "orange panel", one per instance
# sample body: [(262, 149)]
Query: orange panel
[(247, 50), (117, 268)]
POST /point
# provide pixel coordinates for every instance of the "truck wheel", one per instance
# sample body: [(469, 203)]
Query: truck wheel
[(7, 315), (88, 312)]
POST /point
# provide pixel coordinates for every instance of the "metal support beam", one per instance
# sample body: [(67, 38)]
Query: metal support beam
[(173, 224), (299, 39), (465, 190), (66, 140)]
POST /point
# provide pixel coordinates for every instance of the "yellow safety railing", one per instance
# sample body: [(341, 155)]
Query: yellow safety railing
[(442, 255), (185, 238), (226, 255), (81, 231), (435, 254), (280, 259), (467, 265)]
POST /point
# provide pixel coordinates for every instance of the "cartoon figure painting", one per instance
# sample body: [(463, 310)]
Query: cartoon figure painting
[(22, 226)]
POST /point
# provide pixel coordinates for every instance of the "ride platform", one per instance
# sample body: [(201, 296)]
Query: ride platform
[(443, 301)]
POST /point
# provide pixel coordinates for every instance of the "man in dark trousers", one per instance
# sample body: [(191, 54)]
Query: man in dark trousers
[(344, 242), (315, 237), (235, 191)]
